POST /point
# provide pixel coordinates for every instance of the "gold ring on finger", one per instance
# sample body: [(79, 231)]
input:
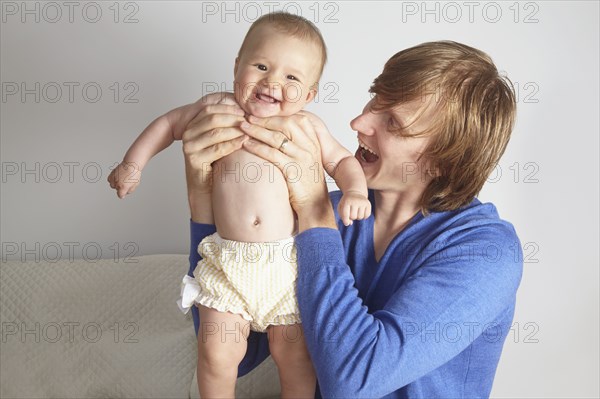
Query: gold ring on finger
[(283, 144)]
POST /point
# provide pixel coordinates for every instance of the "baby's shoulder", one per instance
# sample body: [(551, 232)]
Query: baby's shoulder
[(314, 119), (318, 124)]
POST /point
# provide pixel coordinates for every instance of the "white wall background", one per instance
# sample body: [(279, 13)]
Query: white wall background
[(59, 138)]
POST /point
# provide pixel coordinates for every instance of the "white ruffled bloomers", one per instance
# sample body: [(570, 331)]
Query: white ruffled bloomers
[(255, 280), (190, 290)]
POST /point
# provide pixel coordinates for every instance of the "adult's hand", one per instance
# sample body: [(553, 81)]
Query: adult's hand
[(291, 144), (212, 134)]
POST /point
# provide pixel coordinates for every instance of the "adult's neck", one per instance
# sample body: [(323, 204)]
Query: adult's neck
[(394, 209)]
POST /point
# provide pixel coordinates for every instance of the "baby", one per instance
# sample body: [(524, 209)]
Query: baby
[(246, 278)]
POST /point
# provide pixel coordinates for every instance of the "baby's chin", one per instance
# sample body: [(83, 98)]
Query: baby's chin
[(267, 112), (261, 111)]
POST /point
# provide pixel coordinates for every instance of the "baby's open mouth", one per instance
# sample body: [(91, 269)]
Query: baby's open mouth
[(266, 98)]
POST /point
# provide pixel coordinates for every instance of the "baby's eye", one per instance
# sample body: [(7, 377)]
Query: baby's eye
[(292, 77), (261, 67)]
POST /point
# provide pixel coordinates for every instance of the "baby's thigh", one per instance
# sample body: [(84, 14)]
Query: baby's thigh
[(296, 372), (222, 335), (286, 344)]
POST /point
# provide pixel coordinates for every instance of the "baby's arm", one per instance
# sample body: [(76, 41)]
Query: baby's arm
[(156, 137), (347, 173)]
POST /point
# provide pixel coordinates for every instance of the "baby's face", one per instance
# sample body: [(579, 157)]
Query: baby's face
[(276, 73)]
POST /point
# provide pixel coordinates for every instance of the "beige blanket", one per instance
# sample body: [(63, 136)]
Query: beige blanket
[(105, 329)]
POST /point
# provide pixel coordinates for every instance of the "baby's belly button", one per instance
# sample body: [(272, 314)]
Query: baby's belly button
[(257, 227), (265, 219)]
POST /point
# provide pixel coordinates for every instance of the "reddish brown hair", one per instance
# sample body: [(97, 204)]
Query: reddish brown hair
[(475, 110)]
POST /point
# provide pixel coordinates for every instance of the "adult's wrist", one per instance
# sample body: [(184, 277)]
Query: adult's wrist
[(316, 214), (201, 207)]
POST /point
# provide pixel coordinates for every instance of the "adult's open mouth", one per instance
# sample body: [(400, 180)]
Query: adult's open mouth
[(365, 153)]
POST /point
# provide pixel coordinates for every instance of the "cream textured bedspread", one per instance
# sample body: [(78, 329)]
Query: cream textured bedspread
[(104, 329)]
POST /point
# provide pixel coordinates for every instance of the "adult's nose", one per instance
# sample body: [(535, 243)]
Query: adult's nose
[(363, 123)]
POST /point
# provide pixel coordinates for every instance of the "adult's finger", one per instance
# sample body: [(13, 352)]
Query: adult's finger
[(194, 139), (268, 153), (215, 109), (272, 138), (198, 164), (224, 148), (297, 128), (209, 122), (208, 150)]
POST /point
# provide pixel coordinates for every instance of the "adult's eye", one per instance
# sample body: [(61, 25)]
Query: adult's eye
[(392, 124)]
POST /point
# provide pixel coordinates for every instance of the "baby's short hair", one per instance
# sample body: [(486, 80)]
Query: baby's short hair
[(292, 25)]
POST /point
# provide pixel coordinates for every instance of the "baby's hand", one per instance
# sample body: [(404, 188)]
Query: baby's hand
[(354, 206), (125, 178)]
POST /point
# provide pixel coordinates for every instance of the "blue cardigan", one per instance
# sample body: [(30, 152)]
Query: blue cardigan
[(428, 319)]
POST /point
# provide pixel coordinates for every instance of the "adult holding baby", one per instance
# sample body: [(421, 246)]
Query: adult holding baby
[(417, 299), (246, 279)]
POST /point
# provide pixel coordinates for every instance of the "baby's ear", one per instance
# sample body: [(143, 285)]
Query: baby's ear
[(312, 92), (235, 66)]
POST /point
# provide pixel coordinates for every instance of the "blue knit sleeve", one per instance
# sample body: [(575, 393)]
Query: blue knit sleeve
[(258, 345), (358, 353), (197, 233)]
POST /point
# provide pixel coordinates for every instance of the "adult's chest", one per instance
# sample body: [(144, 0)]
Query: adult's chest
[(376, 281)]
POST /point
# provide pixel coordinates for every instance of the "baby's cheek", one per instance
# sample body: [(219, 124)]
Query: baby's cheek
[(237, 91), (293, 93)]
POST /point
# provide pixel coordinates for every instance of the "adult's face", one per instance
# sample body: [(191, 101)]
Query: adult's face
[(389, 160)]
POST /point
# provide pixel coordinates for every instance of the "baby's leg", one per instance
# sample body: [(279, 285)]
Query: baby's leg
[(296, 372), (222, 341)]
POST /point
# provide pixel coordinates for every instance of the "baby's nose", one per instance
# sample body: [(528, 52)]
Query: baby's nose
[(274, 86), (272, 81)]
